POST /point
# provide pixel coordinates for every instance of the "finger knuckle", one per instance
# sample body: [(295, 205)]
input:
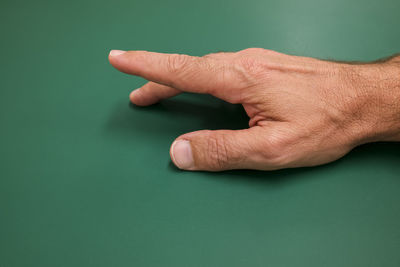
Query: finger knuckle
[(277, 151), (250, 68), (249, 64), (253, 50), (177, 63), (218, 157), (213, 55)]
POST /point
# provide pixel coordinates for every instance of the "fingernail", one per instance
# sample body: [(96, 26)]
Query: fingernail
[(182, 156), (115, 53)]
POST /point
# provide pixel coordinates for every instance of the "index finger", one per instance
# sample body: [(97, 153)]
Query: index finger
[(183, 72)]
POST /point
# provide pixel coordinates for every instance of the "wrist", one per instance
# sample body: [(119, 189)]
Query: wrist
[(376, 92)]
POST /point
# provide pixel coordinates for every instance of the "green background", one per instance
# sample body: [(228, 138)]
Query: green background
[(86, 178)]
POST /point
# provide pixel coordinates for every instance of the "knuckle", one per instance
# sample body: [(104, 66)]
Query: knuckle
[(253, 50), (250, 67), (213, 55), (248, 63), (177, 62), (218, 157), (224, 78), (277, 151)]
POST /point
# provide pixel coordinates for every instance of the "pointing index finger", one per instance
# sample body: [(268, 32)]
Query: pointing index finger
[(183, 72)]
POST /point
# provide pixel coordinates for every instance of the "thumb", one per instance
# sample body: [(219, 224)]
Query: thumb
[(219, 150)]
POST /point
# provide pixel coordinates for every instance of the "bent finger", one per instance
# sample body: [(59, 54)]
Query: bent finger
[(151, 93)]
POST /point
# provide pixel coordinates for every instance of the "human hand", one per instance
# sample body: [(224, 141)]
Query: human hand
[(303, 111)]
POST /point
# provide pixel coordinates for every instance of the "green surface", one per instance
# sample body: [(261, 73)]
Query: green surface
[(86, 179)]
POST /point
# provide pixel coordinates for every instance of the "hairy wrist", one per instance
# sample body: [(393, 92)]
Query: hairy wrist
[(376, 96)]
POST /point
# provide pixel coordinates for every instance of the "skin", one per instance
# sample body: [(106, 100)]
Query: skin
[(302, 111)]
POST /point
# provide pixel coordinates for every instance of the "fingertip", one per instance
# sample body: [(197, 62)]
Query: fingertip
[(134, 96), (113, 57), (115, 53), (137, 98)]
